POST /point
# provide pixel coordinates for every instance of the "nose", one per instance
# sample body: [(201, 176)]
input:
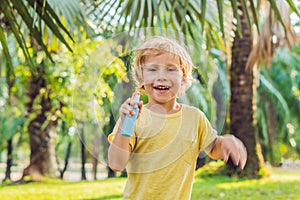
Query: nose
[(161, 76)]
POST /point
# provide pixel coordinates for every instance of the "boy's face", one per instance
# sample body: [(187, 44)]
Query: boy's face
[(162, 77)]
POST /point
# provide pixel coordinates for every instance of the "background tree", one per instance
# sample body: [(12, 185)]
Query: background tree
[(12, 108), (37, 28), (244, 75), (278, 106), (91, 90)]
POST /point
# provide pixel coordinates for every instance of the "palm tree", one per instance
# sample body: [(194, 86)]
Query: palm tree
[(244, 78), (39, 24), (193, 18), (12, 13), (242, 110)]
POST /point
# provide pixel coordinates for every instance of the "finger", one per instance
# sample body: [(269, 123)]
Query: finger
[(128, 100), (242, 164), (244, 157), (235, 157), (140, 104), (126, 103), (225, 156), (126, 109), (132, 103), (131, 112), (240, 155), (242, 152)]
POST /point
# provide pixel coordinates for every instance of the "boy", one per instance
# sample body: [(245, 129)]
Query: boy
[(161, 154)]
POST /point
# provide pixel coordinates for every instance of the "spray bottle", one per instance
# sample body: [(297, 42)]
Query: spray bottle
[(129, 121)]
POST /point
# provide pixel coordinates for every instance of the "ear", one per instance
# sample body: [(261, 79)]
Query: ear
[(141, 82), (139, 76), (184, 80)]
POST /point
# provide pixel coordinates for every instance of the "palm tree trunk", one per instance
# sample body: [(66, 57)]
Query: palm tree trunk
[(9, 160), (107, 129), (42, 152), (242, 102), (272, 152), (96, 153), (67, 157), (10, 82), (83, 156)]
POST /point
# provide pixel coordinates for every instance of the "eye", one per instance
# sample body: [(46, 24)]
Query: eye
[(171, 69), (151, 69)]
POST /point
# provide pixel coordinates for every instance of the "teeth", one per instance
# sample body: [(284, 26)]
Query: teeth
[(162, 87)]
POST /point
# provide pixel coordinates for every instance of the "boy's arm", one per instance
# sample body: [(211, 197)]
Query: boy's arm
[(119, 151), (229, 145), (120, 148)]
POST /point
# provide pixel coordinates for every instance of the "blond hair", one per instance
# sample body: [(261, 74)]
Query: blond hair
[(158, 45)]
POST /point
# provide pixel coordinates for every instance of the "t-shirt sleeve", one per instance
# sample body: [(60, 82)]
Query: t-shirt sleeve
[(207, 134), (111, 136)]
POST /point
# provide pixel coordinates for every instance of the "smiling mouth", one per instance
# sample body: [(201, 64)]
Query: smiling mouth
[(161, 87)]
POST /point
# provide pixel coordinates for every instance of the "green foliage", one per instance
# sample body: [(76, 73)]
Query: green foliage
[(84, 81), (20, 12), (12, 98), (31, 33), (213, 168), (88, 70), (72, 84), (264, 171), (10, 125), (279, 90)]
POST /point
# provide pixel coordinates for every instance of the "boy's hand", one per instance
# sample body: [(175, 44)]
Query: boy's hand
[(233, 147), (125, 108)]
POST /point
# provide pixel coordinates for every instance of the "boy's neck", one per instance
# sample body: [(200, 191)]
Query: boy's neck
[(166, 108)]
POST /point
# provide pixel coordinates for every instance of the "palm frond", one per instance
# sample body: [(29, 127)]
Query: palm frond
[(203, 11), (220, 10), (10, 71), (15, 27), (43, 11), (176, 16), (249, 21), (29, 21), (273, 35), (272, 90), (236, 16), (293, 7)]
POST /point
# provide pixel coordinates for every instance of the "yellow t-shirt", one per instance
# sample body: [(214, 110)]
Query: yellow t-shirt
[(164, 153)]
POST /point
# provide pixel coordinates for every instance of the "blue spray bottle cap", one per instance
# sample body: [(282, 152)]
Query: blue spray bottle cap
[(136, 97)]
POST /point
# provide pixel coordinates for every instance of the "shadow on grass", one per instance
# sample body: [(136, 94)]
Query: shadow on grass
[(28, 182)]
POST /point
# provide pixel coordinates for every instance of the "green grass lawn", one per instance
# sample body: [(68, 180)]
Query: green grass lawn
[(281, 184)]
